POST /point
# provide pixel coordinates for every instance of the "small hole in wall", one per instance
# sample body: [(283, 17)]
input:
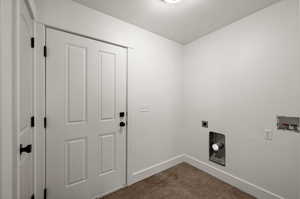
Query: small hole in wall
[(205, 124)]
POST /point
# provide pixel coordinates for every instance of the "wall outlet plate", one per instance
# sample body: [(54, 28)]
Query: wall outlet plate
[(144, 108), (268, 134)]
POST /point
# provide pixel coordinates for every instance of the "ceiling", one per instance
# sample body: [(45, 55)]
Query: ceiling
[(183, 22)]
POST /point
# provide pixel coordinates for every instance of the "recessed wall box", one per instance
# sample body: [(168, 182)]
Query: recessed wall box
[(288, 123), (217, 148)]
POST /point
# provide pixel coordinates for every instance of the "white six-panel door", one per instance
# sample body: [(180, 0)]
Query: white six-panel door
[(85, 92), (25, 110)]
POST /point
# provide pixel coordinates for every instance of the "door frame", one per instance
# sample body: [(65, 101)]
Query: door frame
[(9, 11), (40, 99), (30, 5)]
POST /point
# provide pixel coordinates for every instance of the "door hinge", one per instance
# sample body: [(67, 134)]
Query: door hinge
[(32, 197), (45, 122), (45, 193), (45, 51), (27, 149), (32, 122), (32, 42)]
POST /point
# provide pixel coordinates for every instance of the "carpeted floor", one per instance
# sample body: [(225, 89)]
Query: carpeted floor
[(180, 182)]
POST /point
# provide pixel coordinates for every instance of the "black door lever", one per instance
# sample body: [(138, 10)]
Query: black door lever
[(122, 124), (26, 149)]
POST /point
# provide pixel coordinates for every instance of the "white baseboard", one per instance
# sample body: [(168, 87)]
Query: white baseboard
[(244, 185), (152, 170), (107, 193), (241, 184)]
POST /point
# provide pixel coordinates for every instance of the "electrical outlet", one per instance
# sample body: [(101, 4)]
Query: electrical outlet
[(268, 134), (145, 108)]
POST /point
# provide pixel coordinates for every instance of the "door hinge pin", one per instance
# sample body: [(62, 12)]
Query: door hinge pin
[(45, 122), (45, 51), (32, 42), (45, 193), (32, 197), (32, 122)]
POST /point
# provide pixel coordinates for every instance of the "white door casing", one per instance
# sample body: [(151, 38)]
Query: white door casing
[(25, 102), (85, 92)]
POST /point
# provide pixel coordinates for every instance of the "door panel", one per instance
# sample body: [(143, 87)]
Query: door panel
[(76, 83), (25, 75), (85, 89), (107, 153), (107, 70), (76, 161)]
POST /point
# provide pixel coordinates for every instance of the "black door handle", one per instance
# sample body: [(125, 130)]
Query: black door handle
[(26, 149), (122, 124)]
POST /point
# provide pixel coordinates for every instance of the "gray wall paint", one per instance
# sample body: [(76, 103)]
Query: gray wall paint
[(239, 78)]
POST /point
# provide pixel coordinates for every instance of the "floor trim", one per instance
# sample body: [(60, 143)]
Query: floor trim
[(99, 196), (235, 181), (241, 184), (154, 169)]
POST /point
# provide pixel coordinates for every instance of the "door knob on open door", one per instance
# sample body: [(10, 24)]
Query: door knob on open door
[(26, 149), (122, 124)]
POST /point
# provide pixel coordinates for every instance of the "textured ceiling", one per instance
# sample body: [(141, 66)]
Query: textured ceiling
[(183, 22)]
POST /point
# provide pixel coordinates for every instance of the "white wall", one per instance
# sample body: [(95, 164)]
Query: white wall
[(1, 48), (155, 78), (6, 107), (240, 78), (298, 171)]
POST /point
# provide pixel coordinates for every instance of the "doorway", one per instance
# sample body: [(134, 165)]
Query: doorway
[(86, 116)]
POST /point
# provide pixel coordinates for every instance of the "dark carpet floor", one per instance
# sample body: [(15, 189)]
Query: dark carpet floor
[(180, 182)]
